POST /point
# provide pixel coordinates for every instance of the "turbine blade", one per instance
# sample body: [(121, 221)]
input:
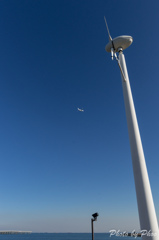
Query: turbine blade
[(121, 70), (110, 38)]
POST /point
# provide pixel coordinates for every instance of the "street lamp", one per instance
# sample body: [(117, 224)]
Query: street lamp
[(94, 215)]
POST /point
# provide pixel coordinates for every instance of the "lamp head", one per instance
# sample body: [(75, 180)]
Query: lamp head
[(95, 215)]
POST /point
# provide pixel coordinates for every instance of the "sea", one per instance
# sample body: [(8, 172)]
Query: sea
[(63, 236)]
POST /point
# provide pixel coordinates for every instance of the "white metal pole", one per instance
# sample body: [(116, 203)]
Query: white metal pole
[(146, 209)]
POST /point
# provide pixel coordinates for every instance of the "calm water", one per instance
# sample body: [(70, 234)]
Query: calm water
[(63, 236)]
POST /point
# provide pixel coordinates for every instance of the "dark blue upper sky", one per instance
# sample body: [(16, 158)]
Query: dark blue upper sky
[(58, 165)]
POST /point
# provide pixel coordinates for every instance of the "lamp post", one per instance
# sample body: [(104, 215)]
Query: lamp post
[(94, 215)]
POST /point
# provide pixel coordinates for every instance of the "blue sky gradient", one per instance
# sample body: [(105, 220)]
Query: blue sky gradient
[(58, 165)]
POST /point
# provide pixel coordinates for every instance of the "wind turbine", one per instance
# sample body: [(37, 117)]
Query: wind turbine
[(146, 209)]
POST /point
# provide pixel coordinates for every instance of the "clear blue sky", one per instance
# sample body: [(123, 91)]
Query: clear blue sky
[(58, 165)]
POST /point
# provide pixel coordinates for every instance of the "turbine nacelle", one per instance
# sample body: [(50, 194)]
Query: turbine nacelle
[(117, 43)]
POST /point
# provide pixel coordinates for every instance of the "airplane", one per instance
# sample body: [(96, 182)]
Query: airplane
[(80, 110)]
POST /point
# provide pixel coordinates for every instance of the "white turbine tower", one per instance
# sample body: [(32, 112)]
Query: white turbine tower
[(146, 209)]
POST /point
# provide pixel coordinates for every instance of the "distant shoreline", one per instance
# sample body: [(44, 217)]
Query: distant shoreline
[(15, 232)]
